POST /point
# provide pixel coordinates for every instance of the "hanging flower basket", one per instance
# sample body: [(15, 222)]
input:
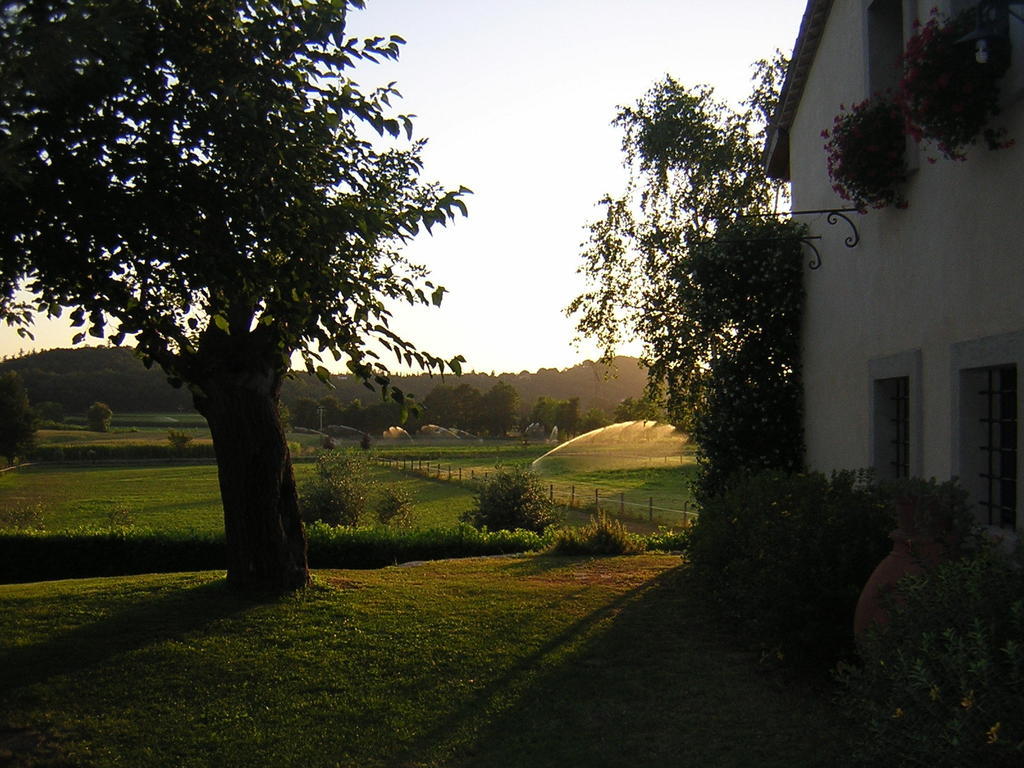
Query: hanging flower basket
[(947, 95), (865, 151)]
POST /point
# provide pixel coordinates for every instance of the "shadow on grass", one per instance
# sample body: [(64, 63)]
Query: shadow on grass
[(141, 621), (452, 732), (658, 687)]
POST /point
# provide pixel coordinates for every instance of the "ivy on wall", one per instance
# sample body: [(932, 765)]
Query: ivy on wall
[(740, 361)]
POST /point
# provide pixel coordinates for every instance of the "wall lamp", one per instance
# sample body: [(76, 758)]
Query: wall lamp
[(991, 31)]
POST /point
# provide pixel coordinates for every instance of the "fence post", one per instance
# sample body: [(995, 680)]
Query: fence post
[(449, 471), (597, 501), (551, 492), (472, 475), (622, 503), (650, 508), (572, 496)]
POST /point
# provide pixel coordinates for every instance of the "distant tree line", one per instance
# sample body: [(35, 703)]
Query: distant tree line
[(65, 383), (497, 412)]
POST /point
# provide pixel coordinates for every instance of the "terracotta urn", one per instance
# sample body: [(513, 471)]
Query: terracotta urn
[(920, 542)]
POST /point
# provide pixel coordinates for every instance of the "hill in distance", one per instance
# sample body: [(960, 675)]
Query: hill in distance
[(78, 377)]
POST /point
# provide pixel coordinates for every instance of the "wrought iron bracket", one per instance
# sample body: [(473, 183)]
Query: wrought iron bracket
[(832, 217)]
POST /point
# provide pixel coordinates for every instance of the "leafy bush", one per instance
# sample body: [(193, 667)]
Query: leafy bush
[(942, 684), (21, 516), (669, 539), (178, 439), (99, 417), (512, 497), (375, 547), (394, 506), (739, 359), (340, 490), (603, 535), (786, 556)]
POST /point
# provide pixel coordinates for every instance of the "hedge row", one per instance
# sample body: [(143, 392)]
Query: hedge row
[(120, 451), (40, 555), (43, 555)]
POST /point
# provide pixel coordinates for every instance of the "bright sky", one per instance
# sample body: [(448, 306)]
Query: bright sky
[(516, 99)]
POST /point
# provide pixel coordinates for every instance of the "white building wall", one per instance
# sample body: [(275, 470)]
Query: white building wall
[(946, 272)]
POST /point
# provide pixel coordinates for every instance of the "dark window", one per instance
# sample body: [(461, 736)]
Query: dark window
[(892, 427), (885, 45), (900, 442), (999, 449)]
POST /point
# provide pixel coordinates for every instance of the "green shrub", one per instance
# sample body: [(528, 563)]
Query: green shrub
[(669, 539), (375, 547), (178, 439), (340, 490), (99, 417), (510, 498), (942, 684), (394, 506), (603, 535), (40, 555), (120, 516), (21, 516), (786, 556)]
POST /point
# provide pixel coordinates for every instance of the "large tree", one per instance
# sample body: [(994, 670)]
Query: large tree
[(692, 261), (203, 176)]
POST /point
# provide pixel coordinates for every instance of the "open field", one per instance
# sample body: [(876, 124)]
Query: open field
[(132, 435), (180, 497), (528, 661), (661, 491), (190, 420)]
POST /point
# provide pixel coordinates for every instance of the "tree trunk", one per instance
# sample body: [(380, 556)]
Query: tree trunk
[(266, 543)]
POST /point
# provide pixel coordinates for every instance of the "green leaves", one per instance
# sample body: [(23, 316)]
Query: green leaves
[(719, 322), (186, 171)]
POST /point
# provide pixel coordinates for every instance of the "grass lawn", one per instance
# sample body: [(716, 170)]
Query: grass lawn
[(181, 497), (529, 661)]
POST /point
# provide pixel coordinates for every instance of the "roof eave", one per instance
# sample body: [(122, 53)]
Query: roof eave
[(777, 152)]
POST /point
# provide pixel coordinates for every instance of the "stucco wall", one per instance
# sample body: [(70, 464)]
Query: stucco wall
[(948, 270)]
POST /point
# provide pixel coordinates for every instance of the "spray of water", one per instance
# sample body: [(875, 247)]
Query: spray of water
[(433, 431), (343, 431), (396, 433), (626, 445)]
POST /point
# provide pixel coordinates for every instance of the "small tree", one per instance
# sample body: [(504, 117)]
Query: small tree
[(512, 497), (340, 490), (17, 420), (99, 417)]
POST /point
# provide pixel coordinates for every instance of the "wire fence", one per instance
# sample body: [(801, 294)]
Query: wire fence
[(632, 505)]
